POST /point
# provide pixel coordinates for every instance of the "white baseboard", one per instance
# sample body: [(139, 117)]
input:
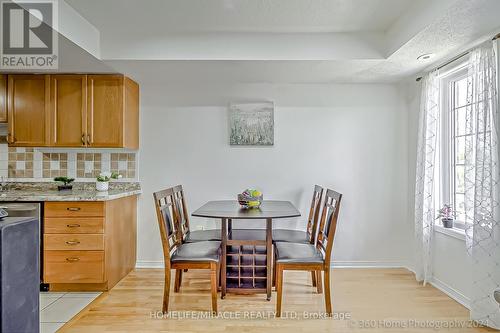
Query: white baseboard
[(335, 264), (149, 264), (368, 264), (451, 292)]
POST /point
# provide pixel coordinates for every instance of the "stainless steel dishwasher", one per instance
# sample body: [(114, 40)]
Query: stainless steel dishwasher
[(28, 209)]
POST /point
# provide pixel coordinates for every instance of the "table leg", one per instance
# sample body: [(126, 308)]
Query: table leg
[(229, 226), (269, 250), (223, 258)]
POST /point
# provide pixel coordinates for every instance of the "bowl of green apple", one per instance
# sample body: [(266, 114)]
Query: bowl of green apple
[(250, 198)]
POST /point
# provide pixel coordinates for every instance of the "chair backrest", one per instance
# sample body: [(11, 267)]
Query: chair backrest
[(166, 212), (314, 211), (328, 224), (181, 212)]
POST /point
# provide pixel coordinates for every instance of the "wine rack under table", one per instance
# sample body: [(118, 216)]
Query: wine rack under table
[(246, 270)]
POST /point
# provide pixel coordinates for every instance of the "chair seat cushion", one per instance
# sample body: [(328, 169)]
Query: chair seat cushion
[(202, 235), (291, 236), (248, 234), (199, 251), (297, 253)]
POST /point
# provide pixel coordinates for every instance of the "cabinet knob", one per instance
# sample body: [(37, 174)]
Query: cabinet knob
[(73, 209), (72, 259), (73, 242), (75, 225)]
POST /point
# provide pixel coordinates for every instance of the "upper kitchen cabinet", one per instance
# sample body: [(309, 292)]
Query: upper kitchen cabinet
[(28, 100), (68, 110), (3, 98), (112, 112), (72, 110)]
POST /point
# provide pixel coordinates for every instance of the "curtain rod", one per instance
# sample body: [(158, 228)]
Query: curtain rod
[(456, 58), (447, 63)]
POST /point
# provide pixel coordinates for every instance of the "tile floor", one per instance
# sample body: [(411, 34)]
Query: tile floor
[(58, 308)]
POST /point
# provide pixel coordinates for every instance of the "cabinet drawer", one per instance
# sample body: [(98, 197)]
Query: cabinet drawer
[(72, 225), (73, 242), (73, 267), (71, 209)]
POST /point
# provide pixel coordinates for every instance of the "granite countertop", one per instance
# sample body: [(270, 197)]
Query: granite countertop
[(80, 192)]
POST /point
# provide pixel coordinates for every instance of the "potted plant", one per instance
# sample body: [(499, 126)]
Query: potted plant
[(447, 215), (66, 183), (102, 183)]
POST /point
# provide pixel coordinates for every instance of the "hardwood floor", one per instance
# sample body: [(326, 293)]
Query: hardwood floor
[(384, 299)]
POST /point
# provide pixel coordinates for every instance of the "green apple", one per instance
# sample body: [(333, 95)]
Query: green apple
[(256, 193)]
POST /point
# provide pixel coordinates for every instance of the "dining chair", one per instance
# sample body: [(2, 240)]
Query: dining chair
[(180, 256), (185, 233), (188, 235), (311, 257), (308, 236)]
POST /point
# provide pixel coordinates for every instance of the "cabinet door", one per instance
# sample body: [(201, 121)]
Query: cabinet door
[(68, 110), (28, 109), (3, 98), (105, 110)]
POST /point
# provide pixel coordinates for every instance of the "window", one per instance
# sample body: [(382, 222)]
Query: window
[(453, 142), (457, 133), (458, 136)]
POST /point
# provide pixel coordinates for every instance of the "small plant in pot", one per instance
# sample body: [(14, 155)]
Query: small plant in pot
[(447, 215), (66, 183), (102, 183)]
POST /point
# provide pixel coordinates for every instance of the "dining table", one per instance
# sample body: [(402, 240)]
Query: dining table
[(249, 258)]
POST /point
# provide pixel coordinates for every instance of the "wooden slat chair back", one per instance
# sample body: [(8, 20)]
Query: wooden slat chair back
[(165, 210), (314, 212), (328, 223), (181, 212)]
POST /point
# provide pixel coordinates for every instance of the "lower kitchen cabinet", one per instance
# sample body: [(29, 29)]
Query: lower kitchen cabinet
[(76, 267), (88, 246)]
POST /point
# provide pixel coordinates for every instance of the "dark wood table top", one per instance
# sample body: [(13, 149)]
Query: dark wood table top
[(231, 209)]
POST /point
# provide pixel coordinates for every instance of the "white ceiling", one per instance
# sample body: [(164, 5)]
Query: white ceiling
[(281, 41), (188, 16)]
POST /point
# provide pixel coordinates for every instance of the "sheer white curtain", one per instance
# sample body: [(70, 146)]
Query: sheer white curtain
[(482, 175), (428, 133)]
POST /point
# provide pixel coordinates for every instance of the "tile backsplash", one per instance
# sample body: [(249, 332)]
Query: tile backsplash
[(20, 162), (54, 165), (43, 164)]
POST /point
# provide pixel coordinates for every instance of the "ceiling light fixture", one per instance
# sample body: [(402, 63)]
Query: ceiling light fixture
[(426, 56)]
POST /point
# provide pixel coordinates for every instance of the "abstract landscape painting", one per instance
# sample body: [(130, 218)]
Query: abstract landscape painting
[(251, 124)]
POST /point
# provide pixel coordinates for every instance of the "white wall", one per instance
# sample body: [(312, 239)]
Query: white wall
[(452, 267), (352, 138)]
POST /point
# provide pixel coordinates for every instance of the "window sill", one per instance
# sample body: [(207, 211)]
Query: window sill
[(453, 232)]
